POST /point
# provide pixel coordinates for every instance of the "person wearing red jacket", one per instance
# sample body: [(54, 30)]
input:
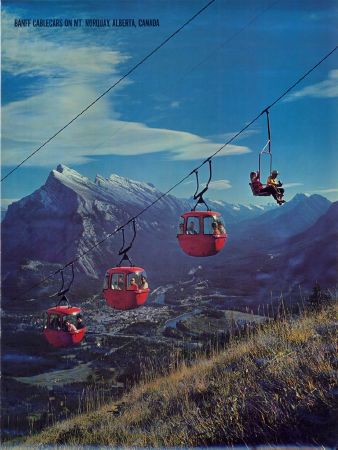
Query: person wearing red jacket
[(133, 285)]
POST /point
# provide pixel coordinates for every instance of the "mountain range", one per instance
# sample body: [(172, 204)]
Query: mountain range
[(70, 214)]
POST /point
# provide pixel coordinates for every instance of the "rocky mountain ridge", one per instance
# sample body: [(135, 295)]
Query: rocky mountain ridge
[(70, 214)]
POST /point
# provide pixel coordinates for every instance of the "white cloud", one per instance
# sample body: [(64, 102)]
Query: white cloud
[(291, 185), (220, 185), (72, 74), (216, 185), (175, 104), (327, 191), (325, 89), (25, 122), (200, 148), (31, 51)]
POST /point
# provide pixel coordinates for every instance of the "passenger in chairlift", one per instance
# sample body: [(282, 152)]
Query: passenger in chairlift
[(259, 188), (272, 181)]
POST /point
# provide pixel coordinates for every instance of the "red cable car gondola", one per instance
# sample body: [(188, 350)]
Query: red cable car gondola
[(201, 233), (56, 329), (64, 326), (126, 287)]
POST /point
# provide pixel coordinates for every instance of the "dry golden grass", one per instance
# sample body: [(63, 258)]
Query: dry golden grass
[(277, 385)]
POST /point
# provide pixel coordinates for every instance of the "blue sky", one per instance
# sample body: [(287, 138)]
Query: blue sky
[(182, 104)]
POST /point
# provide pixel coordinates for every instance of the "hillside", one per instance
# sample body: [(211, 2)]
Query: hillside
[(276, 386)]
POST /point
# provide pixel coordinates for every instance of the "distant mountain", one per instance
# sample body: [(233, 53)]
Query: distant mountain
[(234, 213), (305, 258), (314, 253), (268, 255), (70, 214), (279, 224)]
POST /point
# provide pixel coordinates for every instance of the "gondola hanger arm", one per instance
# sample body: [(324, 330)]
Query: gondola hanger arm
[(124, 251), (199, 195)]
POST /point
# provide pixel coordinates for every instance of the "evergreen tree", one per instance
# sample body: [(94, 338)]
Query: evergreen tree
[(318, 298)]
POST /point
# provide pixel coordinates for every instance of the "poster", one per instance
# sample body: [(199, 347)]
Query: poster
[(121, 110)]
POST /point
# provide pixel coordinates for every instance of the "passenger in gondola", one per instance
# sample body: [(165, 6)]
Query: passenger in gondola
[(79, 323), (120, 283), (191, 228), (220, 227), (215, 229), (144, 283), (55, 323), (70, 327), (133, 285), (272, 181), (259, 188), (115, 286)]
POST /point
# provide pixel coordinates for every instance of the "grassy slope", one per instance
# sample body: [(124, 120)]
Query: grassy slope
[(277, 386)]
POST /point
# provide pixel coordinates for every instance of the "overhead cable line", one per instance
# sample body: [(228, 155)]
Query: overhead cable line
[(195, 66), (143, 60), (207, 160)]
